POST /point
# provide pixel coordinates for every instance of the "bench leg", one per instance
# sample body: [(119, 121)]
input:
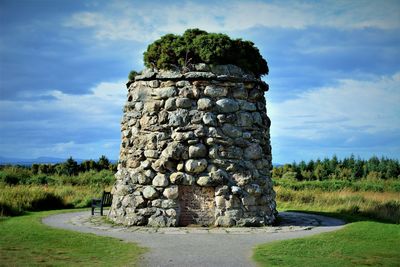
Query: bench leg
[(101, 211)]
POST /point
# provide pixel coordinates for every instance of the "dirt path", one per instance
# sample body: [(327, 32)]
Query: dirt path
[(185, 246)]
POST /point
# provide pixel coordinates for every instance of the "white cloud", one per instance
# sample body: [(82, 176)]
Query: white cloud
[(348, 110), (143, 22), (64, 124)]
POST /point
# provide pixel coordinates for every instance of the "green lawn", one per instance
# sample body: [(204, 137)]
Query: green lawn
[(25, 241), (363, 243)]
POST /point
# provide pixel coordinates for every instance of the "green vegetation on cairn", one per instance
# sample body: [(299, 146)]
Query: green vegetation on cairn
[(25, 241), (196, 46)]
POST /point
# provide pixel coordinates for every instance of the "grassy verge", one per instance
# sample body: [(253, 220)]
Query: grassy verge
[(25, 241), (384, 206), (372, 237), (15, 200), (358, 244)]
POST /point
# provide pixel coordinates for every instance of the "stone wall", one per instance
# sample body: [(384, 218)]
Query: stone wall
[(206, 127)]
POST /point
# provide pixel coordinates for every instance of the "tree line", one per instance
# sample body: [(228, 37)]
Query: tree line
[(349, 168), (71, 167)]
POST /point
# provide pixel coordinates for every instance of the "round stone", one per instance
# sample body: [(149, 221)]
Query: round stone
[(214, 91), (204, 104), (227, 105), (171, 192), (254, 151), (197, 151), (160, 180), (149, 192), (183, 102), (196, 166), (204, 181)]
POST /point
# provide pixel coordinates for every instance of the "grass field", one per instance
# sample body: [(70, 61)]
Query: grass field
[(25, 241), (383, 206), (358, 244), (372, 237)]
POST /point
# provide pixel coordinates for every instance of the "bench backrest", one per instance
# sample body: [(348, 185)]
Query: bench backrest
[(106, 199)]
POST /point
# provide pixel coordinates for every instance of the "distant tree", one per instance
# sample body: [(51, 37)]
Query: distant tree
[(71, 167), (103, 163), (88, 165), (35, 168)]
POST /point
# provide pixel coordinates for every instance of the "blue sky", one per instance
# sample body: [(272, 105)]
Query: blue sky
[(334, 71)]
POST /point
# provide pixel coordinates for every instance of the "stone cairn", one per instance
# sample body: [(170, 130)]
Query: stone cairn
[(195, 150)]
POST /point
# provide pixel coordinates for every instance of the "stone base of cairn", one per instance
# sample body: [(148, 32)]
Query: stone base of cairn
[(195, 150)]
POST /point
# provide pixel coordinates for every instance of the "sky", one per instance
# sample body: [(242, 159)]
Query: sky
[(334, 71)]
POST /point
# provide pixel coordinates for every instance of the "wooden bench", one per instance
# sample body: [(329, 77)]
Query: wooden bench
[(104, 201)]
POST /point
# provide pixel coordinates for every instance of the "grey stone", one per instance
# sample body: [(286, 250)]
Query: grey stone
[(224, 221), (244, 119), (154, 83), (188, 179), (257, 118), (248, 200), (199, 75), (215, 91), (169, 203), (160, 180), (189, 92), (228, 69), (204, 104), (164, 92), (209, 118), (219, 176), (149, 192), (145, 164), (182, 83), (183, 102), (236, 190), (220, 202), (152, 106), (221, 190), (178, 118), (247, 106), (197, 151), (254, 151), (182, 136), (142, 179), (156, 203), (231, 130), (195, 166), (169, 74), (239, 92), (255, 94), (248, 222), (149, 173), (133, 219), (177, 177), (254, 189), (204, 181), (174, 150), (146, 74), (151, 154), (171, 192), (170, 104), (227, 105), (159, 221)]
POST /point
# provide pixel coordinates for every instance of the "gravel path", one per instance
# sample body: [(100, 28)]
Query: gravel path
[(191, 246)]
